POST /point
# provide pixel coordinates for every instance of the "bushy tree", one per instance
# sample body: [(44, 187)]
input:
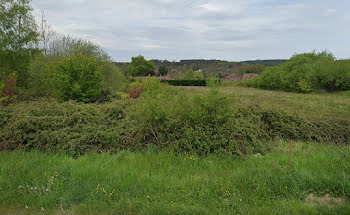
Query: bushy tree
[(139, 66), (78, 78), (18, 36), (43, 67), (189, 75), (306, 73), (163, 70)]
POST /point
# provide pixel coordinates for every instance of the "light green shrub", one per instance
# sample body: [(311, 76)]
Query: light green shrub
[(78, 78), (306, 73)]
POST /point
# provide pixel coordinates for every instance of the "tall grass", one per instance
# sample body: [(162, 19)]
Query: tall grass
[(164, 183)]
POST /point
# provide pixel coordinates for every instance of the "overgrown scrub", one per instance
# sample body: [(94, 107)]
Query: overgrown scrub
[(213, 122), (305, 73), (70, 127), (165, 118)]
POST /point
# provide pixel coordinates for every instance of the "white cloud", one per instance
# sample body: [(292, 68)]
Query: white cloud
[(212, 7)]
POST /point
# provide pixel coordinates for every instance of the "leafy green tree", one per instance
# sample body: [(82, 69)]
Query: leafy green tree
[(139, 66), (78, 78), (305, 73), (43, 66), (163, 70), (190, 75), (18, 37)]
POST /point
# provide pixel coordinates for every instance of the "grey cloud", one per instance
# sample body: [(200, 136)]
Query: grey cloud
[(177, 29)]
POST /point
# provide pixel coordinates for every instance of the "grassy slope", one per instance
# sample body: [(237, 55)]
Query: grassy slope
[(326, 105), (150, 183)]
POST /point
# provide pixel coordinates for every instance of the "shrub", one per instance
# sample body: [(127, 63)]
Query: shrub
[(305, 73), (113, 80), (163, 70), (69, 127), (78, 78), (186, 82), (163, 118)]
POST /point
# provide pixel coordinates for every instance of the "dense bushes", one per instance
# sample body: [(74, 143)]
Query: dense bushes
[(186, 82), (306, 73), (74, 66), (70, 127), (163, 117), (213, 122), (78, 78)]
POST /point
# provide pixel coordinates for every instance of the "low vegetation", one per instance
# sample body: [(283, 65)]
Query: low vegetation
[(78, 137), (280, 182), (186, 82), (164, 118)]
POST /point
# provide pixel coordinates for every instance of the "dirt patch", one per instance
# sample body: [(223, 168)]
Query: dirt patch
[(326, 200)]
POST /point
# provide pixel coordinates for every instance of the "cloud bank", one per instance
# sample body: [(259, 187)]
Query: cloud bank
[(208, 29)]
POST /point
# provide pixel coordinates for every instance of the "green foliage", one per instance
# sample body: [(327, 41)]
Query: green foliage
[(2, 98), (163, 70), (69, 127), (306, 73), (139, 66), (158, 183), (43, 67), (41, 73), (190, 75), (185, 82), (78, 78), (8, 91), (113, 79), (210, 123), (167, 118), (213, 82), (18, 33)]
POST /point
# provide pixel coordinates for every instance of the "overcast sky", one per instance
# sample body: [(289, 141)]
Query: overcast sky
[(231, 30)]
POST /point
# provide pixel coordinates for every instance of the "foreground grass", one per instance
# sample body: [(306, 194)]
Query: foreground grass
[(323, 105), (164, 183)]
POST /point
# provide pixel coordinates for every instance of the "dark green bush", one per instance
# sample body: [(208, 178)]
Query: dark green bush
[(186, 82), (306, 73)]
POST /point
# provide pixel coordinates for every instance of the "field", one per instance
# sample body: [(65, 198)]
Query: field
[(323, 106), (280, 181)]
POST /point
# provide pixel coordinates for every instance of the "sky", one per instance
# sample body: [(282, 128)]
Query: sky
[(233, 30)]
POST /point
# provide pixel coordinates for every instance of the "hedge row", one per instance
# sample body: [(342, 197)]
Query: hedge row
[(186, 82)]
